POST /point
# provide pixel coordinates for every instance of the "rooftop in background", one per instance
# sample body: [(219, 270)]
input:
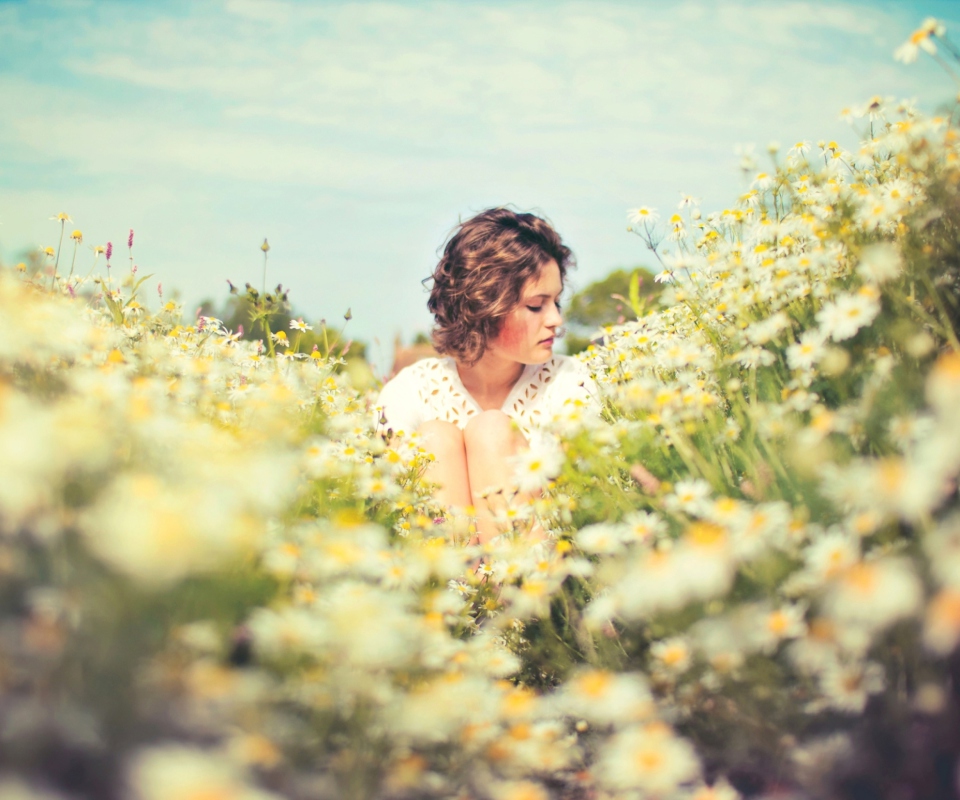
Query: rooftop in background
[(404, 356)]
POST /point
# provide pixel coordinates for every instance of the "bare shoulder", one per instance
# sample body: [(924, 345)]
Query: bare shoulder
[(417, 372)]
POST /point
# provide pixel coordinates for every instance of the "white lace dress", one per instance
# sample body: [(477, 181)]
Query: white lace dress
[(431, 389)]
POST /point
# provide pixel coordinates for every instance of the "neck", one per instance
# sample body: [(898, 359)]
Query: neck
[(491, 376)]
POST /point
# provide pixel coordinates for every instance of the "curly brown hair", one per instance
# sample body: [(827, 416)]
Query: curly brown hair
[(481, 275)]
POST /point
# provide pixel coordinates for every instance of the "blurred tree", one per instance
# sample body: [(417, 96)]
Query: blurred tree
[(33, 260), (238, 311), (607, 302)]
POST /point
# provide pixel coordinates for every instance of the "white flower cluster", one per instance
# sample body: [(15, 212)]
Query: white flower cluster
[(791, 334)]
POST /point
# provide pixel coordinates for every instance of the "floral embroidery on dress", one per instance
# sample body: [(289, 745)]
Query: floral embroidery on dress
[(431, 389), (444, 397), (442, 393)]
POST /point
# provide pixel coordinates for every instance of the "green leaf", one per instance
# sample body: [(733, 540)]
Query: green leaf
[(115, 310), (133, 291), (634, 294)]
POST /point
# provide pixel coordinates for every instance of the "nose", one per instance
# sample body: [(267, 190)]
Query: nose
[(554, 318)]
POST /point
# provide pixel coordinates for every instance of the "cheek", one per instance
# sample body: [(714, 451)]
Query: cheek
[(512, 333)]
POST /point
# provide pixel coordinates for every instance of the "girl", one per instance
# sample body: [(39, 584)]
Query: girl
[(496, 303)]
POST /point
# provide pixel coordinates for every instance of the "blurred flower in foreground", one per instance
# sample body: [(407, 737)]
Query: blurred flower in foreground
[(920, 39), (176, 772)]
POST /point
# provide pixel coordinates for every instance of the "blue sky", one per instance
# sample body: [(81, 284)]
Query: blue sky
[(353, 135)]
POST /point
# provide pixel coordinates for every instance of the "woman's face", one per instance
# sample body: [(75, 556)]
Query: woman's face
[(528, 332)]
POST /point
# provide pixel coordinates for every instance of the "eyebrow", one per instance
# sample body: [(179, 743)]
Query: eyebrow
[(538, 296)]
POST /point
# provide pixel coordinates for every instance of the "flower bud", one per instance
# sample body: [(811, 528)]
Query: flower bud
[(835, 361)]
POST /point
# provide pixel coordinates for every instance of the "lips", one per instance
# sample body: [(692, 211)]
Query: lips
[(547, 342)]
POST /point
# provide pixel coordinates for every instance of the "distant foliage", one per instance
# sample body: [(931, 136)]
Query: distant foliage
[(606, 302), (238, 313)]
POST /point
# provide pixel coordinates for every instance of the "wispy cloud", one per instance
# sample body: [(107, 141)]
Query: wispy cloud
[(533, 65), (283, 82)]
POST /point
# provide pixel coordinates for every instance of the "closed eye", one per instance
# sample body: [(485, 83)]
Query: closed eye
[(540, 308)]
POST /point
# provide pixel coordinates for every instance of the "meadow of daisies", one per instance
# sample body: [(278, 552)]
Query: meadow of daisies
[(220, 579)]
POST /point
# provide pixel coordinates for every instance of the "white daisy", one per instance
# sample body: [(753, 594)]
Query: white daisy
[(803, 355), (845, 316), (880, 263), (535, 467), (643, 214)]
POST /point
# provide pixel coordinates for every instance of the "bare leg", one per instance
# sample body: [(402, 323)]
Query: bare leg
[(449, 470), (490, 442)]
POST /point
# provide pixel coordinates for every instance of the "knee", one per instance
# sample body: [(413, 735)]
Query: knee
[(443, 439), (490, 430)]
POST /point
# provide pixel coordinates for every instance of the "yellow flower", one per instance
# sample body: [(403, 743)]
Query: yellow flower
[(77, 236), (942, 629)]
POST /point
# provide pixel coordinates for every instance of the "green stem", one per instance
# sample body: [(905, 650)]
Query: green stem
[(944, 315), (689, 455), (73, 261), (96, 256), (950, 47), (269, 336), (56, 264), (774, 460), (913, 306), (946, 68)]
